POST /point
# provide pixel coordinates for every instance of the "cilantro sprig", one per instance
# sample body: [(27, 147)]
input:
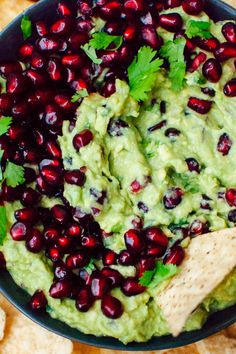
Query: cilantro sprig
[(198, 29), (173, 51), (141, 73), (189, 183), (101, 40), (91, 53), (5, 123), (14, 174), (79, 94), (3, 224), (161, 272), (26, 27)]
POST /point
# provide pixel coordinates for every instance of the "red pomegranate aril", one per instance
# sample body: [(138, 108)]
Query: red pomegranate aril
[(199, 105), (37, 78), (73, 60), (38, 61), (150, 37), (6, 102), (197, 61), (99, 286), (111, 307), (130, 33), (82, 139), (126, 258), (157, 236), (77, 260), (52, 175), (65, 244), (230, 88), (193, 7), (84, 299), (44, 96), (134, 240), (113, 275), (41, 28), (171, 22), (53, 117), (60, 270), (110, 10), (63, 26), (74, 230), (85, 8), (43, 187), (20, 110), (17, 83), (76, 40), (109, 57), (135, 186), (192, 164), (131, 287), (25, 51), (224, 144), (225, 51), (109, 257), (230, 196), (79, 84), (170, 4), (48, 44), (38, 301), (90, 242), (60, 289), (31, 155), (229, 31), (53, 149), (54, 69), (30, 197), (155, 251), (60, 214), (84, 25), (175, 255), (172, 198), (51, 234), (150, 18), (34, 243), (54, 254), (63, 9), (2, 261), (212, 70), (75, 177), (207, 44), (8, 68), (108, 89), (144, 264), (64, 102), (28, 215), (134, 5), (198, 227), (20, 231), (190, 45), (16, 132), (10, 194), (114, 28)]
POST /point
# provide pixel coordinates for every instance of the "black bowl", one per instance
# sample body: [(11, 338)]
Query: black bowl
[(10, 39)]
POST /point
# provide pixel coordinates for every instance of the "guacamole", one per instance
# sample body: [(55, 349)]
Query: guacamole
[(139, 154)]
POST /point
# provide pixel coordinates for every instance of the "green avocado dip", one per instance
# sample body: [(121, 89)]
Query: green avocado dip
[(140, 154)]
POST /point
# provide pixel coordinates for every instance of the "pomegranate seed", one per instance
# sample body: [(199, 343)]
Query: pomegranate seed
[(116, 126), (198, 227), (79, 84), (190, 45), (171, 22), (28, 215), (65, 244), (109, 257), (113, 275), (53, 116), (224, 144), (21, 110), (76, 40), (17, 83), (131, 287), (208, 91), (10, 194), (60, 270), (73, 60), (135, 186), (63, 9), (193, 7), (84, 300), (6, 102), (36, 77), (193, 164), (232, 215), (207, 44), (199, 105), (130, 33), (53, 149), (48, 44), (38, 301), (108, 89), (41, 28), (99, 287), (38, 61), (85, 8), (230, 88), (54, 254), (172, 198), (30, 197), (52, 175), (25, 51), (110, 10), (225, 51), (82, 139), (150, 37), (155, 251), (54, 69), (34, 242), (157, 126), (205, 203), (157, 236), (60, 289), (170, 4), (230, 196), (10, 68), (144, 264), (229, 32), (30, 175), (126, 258), (75, 177), (79, 259), (134, 5), (44, 96), (212, 70), (114, 28), (197, 61), (74, 230), (150, 18), (137, 223), (64, 102), (60, 214), (20, 231), (16, 132), (43, 187), (134, 241), (63, 26), (84, 25), (51, 234), (175, 255), (111, 307), (2, 261)]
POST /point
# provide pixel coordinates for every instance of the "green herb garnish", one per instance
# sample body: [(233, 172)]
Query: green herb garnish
[(91, 53), (3, 224), (26, 27), (141, 73), (189, 183), (14, 174), (161, 272), (90, 267), (173, 51), (116, 228), (101, 40), (79, 94), (198, 29), (5, 123)]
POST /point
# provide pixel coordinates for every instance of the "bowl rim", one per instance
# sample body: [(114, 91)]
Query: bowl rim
[(19, 298)]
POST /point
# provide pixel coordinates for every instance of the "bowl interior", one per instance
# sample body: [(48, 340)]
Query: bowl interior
[(10, 39)]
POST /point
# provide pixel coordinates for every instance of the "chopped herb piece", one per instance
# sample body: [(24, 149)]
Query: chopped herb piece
[(102, 40), (181, 223), (90, 267), (14, 174), (141, 73), (173, 51), (198, 29), (3, 224), (79, 94), (91, 53), (5, 123), (189, 183), (116, 228), (26, 27), (154, 277), (1, 155)]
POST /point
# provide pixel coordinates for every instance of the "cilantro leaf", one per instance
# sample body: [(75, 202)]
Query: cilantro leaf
[(198, 29), (3, 224), (140, 73), (102, 40), (161, 272), (181, 223), (14, 174), (1, 155), (90, 267), (173, 51), (5, 123), (79, 94), (91, 53), (189, 183), (26, 27)]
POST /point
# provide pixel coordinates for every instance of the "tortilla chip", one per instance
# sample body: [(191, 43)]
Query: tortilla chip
[(10, 9), (231, 331), (218, 344), (209, 258), (2, 323)]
